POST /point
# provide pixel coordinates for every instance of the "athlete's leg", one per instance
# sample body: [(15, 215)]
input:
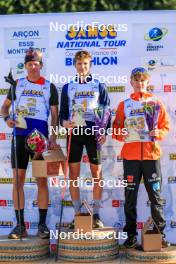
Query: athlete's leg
[(75, 154), (43, 200)]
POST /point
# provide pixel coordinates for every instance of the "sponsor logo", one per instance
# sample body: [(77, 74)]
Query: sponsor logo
[(35, 203), (118, 203), (20, 66), (167, 88), (4, 91), (140, 225), (64, 224), (7, 224), (67, 203), (75, 37), (173, 88), (116, 89), (88, 181), (173, 224), (172, 156), (10, 180), (32, 93), (130, 178), (85, 159), (98, 61), (5, 136), (156, 34), (119, 225), (53, 247), (31, 225), (172, 179), (6, 203), (152, 63)]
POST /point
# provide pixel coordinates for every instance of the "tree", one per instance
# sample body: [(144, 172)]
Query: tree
[(54, 6)]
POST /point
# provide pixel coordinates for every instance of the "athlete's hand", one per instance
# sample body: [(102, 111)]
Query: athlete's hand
[(102, 139), (69, 124), (124, 137), (52, 143), (154, 133), (11, 123)]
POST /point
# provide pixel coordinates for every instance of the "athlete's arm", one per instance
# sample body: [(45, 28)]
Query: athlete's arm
[(104, 99), (64, 109), (6, 106), (118, 123), (53, 101), (163, 124)]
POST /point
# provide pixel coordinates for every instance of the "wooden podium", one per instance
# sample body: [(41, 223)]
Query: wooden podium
[(90, 250), (166, 255), (26, 250)]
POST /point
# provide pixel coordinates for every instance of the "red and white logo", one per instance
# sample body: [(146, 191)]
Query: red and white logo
[(140, 225), (85, 159), (3, 202), (2, 136), (130, 178), (115, 203), (167, 88)]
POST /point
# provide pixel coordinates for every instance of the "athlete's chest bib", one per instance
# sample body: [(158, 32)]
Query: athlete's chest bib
[(32, 100), (86, 95), (136, 121)]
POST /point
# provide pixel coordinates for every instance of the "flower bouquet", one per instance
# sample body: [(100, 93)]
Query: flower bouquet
[(36, 142), (152, 110), (101, 119)]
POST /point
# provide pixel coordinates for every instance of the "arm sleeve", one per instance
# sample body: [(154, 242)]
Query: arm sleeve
[(104, 100), (9, 95), (53, 95), (64, 107), (163, 123), (118, 123)]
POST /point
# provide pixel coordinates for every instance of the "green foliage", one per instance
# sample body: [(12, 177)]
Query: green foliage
[(54, 6)]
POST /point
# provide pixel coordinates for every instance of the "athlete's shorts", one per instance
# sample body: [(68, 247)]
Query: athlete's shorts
[(76, 148), (23, 154)]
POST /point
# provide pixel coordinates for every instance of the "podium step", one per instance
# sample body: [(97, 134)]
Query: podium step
[(102, 246), (27, 249), (166, 255)]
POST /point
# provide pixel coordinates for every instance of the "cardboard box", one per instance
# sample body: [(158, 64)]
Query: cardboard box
[(53, 164), (151, 239), (83, 221)]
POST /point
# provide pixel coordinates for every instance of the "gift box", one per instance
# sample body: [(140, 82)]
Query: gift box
[(52, 164), (151, 239), (83, 220)]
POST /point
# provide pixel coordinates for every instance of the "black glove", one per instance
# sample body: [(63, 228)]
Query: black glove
[(10, 79)]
